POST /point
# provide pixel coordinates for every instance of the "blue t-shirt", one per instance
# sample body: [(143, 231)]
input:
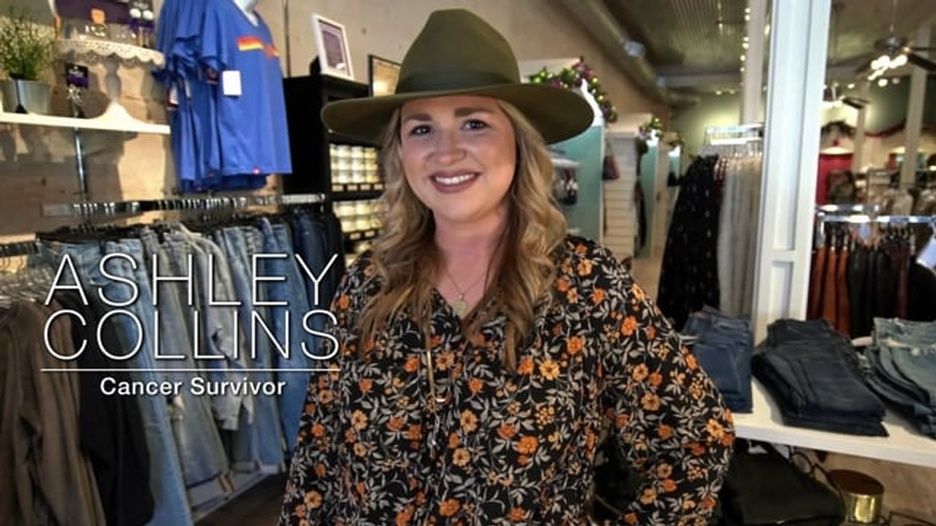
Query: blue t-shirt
[(196, 140), (252, 130)]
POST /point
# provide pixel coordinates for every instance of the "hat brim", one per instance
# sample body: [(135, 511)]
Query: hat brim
[(557, 113)]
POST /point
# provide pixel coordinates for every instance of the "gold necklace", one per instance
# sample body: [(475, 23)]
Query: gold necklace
[(460, 305)]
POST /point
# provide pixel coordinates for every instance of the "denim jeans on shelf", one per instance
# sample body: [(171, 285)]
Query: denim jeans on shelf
[(808, 369), (166, 480), (261, 443), (277, 240), (904, 367), (723, 348), (200, 448)]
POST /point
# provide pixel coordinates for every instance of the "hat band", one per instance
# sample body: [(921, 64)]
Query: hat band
[(451, 80)]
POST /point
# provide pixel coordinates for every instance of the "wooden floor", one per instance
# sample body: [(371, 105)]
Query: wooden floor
[(258, 506)]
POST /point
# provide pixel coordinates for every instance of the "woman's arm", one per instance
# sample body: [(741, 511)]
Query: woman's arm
[(671, 419)]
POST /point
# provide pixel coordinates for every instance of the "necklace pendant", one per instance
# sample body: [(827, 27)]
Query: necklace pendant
[(460, 306)]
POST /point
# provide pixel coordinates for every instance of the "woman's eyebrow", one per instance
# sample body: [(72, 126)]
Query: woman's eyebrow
[(461, 112)]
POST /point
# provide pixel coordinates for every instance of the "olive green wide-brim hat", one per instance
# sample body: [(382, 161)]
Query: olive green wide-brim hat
[(458, 53)]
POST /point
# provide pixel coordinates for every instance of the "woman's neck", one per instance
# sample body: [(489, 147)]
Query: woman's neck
[(469, 243)]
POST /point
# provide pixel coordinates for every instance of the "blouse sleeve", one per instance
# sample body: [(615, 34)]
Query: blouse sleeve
[(672, 422), (313, 481)]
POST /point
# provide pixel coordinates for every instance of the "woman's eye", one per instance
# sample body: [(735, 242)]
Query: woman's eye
[(422, 129), (475, 124)]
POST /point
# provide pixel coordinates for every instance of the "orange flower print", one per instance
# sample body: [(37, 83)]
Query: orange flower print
[(506, 431), (527, 445), (598, 296), (320, 470), (545, 415), (449, 507), (628, 326), (412, 364), (360, 449), (475, 385), (572, 296), (469, 421), (669, 485), (300, 511), (549, 369), (650, 402), (664, 431), (460, 457), (344, 302), (640, 372), (630, 518), (396, 423), (404, 516), (656, 379), (648, 497), (358, 420), (638, 293), (562, 284), (326, 396), (453, 440), (575, 344), (707, 503), (585, 267), (651, 333), (318, 430), (445, 360), (715, 428), (581, 249), (313, 500), (664, 471), (517, 514), (413, 432), (696, 449), (366, 385), (691, 362), (526, 365), (621, 420)]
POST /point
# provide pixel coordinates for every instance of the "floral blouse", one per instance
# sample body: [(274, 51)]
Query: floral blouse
[(510, 448)]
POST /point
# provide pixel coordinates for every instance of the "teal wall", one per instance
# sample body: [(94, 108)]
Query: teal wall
[(889, 104), (648, 166), (585, 149)]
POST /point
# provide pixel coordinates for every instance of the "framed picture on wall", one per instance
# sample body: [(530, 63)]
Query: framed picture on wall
[(383, 75), (332, 43)]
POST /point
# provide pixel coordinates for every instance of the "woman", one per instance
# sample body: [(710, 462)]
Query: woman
[(482, 351)]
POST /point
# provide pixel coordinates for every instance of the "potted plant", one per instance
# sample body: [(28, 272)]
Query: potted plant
[(25, 54)]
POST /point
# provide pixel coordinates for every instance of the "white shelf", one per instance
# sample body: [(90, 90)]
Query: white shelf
[(905, 444), (97, 123)]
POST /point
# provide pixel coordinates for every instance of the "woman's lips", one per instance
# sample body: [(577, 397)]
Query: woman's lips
[(453, 182)]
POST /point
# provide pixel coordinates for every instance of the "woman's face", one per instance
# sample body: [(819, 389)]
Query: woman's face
[(459, 156)]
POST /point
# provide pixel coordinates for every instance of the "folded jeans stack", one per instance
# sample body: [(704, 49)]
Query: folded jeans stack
[(723, 345), (903, 369), (812, 373)]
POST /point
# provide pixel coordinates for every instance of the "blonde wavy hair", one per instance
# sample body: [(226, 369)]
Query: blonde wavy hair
[(519, 277)]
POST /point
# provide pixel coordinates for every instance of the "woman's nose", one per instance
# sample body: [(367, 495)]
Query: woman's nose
[(448, 147)]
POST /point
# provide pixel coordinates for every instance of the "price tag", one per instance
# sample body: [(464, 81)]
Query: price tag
[(231, 83)]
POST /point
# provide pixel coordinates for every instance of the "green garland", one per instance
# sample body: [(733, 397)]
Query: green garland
[(571, 78)]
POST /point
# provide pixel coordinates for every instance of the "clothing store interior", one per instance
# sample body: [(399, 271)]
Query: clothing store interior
[(765, 169)]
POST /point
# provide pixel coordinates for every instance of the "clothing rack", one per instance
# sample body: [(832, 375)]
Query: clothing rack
[(114, 208), (733, 134), (19, 248), (871, 218)]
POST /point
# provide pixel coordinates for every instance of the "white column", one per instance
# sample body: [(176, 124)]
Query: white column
[(798, 37), (858, 150), (754, 65), (915, 111)]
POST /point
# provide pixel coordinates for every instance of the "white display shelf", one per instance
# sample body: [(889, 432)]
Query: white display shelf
[(905, 444), (106, 123)]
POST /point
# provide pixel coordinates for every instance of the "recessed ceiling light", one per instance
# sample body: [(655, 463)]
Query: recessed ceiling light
[(743, 58), (718, 92), (895, 80), (882, 82), (744, 45), (851, 85)]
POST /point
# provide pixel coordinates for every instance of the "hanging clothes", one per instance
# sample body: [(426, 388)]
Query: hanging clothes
[(689, 275)]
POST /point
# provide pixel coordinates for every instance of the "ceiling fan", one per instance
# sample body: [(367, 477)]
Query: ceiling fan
[(896, 52), (832, 95)]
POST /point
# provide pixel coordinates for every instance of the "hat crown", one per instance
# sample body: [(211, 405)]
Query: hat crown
[(457, 50)]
